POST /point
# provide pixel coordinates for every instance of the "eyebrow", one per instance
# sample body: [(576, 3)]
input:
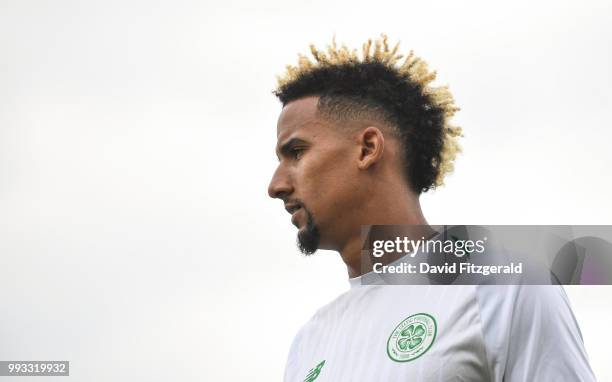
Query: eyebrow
[(286, 147)]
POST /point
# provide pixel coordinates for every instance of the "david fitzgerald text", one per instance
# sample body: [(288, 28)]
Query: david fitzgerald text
[(449, 269)]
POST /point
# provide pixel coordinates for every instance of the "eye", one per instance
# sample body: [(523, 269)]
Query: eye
[(297, 152)]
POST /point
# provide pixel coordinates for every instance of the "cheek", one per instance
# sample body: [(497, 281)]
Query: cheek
[(325, 173), (328, 184)]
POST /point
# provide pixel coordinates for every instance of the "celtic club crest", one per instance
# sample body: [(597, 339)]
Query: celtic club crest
[(412, 337)]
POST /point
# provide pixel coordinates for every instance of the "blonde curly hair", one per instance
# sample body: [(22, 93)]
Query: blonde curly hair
[(381, 77)]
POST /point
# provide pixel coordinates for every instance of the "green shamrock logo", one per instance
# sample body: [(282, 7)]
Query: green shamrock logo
[(411, 337)]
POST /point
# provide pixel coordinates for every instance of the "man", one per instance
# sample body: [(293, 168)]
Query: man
[(360, 137)]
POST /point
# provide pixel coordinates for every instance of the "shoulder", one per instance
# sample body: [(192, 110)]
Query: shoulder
[(531, 333)]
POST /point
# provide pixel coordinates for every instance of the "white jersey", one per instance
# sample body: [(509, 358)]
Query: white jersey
[(388, 333)]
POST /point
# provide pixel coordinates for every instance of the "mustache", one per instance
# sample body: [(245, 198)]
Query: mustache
[(296, 201)]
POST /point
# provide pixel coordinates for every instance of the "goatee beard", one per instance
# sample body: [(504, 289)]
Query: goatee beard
[(308, 239)]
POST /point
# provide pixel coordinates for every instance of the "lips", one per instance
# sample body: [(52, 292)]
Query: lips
[(293, 209), (294, 216)]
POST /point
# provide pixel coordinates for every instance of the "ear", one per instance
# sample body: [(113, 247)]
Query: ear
[(372, 144)]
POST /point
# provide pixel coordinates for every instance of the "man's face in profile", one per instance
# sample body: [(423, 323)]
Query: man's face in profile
[(315, 177)]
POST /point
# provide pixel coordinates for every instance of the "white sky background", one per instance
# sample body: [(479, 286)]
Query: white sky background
[(136, 144)]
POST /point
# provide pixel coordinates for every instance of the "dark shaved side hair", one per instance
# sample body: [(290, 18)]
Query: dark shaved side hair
[(377, 87)]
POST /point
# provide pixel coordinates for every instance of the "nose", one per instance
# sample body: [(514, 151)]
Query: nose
[(280, 184)]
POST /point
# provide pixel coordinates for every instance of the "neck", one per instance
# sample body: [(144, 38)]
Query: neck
[(400, 211)]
